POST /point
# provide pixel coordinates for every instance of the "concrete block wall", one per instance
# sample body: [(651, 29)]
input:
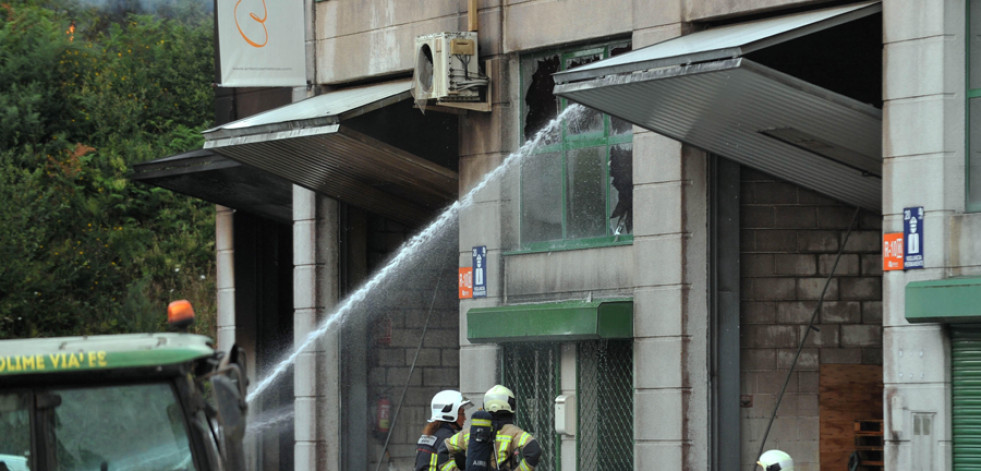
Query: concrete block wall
[(412, 337), (790, 237)]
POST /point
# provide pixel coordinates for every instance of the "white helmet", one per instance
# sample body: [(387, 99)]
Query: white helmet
[(776, 460), (499, 398), (446, 405)]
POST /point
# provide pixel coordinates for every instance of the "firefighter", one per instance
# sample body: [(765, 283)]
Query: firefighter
[(448, 414), (776, 460), (513, 448)]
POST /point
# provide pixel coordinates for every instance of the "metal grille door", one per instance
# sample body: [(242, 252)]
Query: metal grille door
[(606, 405), (966, 377), (531, 371)]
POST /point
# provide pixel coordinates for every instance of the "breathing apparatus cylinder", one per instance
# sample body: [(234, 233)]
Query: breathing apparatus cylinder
[(481, 444)]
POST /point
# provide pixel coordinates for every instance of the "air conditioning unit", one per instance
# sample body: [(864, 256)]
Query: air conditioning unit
[(446, 68)]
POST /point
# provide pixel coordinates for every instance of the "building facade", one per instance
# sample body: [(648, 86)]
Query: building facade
[(683, 270)]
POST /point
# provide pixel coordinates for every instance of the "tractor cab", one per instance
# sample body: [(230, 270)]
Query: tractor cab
[(155, 402)]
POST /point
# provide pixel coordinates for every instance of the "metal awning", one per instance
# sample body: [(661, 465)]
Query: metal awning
[(311, 143), (211, 177), (951, 300), (701, 89), (566, 320)]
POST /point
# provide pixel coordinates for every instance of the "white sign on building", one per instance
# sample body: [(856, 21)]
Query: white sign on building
[(261, 43)]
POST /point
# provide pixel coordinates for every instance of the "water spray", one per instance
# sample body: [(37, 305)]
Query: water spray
[(410, 247)]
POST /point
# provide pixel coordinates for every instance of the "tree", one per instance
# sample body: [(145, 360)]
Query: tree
[(82, 98)]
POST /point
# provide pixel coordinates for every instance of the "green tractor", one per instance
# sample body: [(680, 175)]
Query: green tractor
[(154, 402)]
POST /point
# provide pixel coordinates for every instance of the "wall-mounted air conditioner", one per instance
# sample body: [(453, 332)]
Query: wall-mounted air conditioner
[(447, 69)]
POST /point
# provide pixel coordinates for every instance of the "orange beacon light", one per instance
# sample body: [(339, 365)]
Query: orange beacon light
[(180, 314)]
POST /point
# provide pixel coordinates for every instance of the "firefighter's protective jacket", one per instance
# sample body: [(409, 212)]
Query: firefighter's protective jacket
[(427, 447), (515, 450)]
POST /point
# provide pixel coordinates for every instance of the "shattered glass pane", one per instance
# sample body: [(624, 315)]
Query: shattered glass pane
[(541, 198), (619, 126), (591, 120), (540, 105), (621, 189), (586, 206)]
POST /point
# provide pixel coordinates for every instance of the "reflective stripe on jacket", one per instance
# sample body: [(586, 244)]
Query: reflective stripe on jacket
[(427, 458), (515, 450)]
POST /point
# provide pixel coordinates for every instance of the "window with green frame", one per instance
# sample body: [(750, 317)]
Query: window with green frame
[(974, 106), (577, 188)]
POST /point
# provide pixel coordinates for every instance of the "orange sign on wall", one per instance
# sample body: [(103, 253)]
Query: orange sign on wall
[(466, 282), (892, 251)]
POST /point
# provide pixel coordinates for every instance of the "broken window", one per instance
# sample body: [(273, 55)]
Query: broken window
[(578, 187)]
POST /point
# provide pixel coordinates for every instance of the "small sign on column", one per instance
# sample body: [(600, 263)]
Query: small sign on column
[(892, 251), (466, 282), (913, 237), (480, 271)]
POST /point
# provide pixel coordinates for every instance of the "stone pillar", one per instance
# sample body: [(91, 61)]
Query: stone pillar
[(484, 139), (315, 293), (225, 278), (923, 149)]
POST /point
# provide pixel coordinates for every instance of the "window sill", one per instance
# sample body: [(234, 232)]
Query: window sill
[(577, 244)]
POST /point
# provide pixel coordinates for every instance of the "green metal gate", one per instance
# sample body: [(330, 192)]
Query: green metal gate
[(966, 378), (531, 370), (606, 404)]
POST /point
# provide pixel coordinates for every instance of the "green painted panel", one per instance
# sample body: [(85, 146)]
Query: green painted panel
[(954, 300), (102, 352), (571, 320)]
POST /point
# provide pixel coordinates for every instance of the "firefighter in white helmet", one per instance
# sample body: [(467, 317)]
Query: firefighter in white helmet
[(776, 460), (448, 414), (513, 448)]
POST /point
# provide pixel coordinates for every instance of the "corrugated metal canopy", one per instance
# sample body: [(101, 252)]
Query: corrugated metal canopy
[(309, 143), (211, 177), (699, 89)]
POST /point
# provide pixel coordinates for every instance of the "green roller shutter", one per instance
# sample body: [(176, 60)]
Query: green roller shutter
[(966, 376)]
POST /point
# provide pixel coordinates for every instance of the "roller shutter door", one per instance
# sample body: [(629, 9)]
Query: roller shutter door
[(966, 378)]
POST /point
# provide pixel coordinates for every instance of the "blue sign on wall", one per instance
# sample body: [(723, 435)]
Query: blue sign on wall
[(913, 237), (480, 271)]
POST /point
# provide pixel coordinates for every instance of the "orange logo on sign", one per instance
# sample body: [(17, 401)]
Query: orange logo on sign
[(892, 251), (254, 42), (466, 283)]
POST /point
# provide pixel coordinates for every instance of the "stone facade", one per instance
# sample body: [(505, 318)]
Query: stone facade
[(789, 238)]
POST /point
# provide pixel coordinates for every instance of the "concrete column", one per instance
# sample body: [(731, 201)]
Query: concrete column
[(661, 245), (923, 149), (315, 275), (225, 278), (484, 141)]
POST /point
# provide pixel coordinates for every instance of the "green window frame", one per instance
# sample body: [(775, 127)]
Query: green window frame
[(576, 187), (973, 107)]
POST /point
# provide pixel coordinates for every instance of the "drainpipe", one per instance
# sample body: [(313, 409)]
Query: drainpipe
[(473, 16)]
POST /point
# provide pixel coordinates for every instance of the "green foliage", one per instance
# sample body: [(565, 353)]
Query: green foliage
[(83, 249)]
